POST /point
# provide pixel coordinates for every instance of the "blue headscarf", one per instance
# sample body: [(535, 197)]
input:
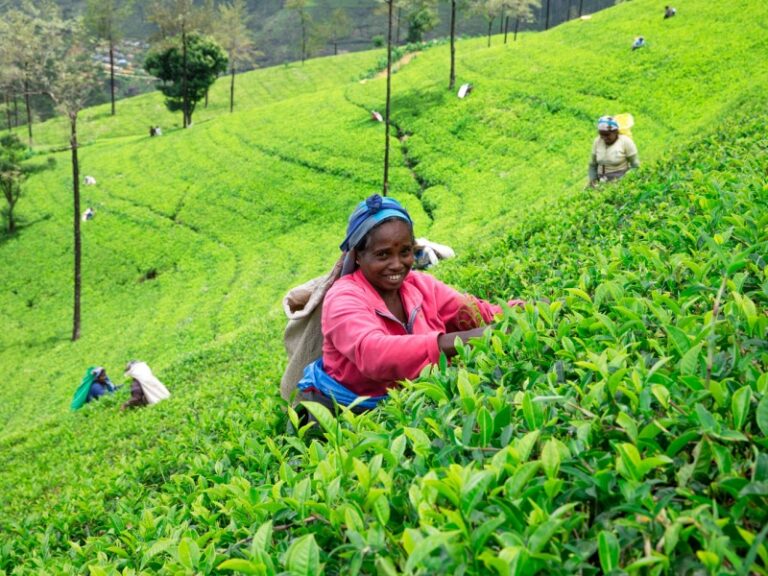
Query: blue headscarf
[(607, 124), (366, 216)]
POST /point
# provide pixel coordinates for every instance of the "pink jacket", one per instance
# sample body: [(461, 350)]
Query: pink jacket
[(368, 350)]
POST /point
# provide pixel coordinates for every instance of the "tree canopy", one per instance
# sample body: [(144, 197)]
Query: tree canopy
[(104, 21), (231, 31), (12, 153), (421, 16), (186, 69), (177, 17), (29, 38)]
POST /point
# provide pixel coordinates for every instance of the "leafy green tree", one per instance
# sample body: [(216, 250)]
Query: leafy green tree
[(12, 154), (28, 39), (488, 9), (174, 18), (421, 16), (103, 19), (186, 69), (17, 49), (231, 31), (301, 8), (521, 11), (7, 77), (338, 26)]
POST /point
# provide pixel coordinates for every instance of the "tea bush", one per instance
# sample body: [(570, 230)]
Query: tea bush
[(619, 427)]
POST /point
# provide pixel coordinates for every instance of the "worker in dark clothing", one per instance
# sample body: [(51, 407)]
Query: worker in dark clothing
[(101, 384)]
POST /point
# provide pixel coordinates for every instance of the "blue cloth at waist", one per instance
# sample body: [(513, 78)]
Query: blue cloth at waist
[(316, 377)]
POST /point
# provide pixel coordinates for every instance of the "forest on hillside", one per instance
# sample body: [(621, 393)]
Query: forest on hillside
[(276, 32), (275, 28)]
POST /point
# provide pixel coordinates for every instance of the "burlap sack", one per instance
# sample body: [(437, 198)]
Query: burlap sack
[(154, 390), (303, 338)]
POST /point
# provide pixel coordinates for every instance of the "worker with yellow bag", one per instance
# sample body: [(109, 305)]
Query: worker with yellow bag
[(613, 151)]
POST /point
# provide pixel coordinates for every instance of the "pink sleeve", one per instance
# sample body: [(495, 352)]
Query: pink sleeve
[(351, 326)]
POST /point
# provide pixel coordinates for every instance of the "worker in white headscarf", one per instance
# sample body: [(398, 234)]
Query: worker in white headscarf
[(145, 387)]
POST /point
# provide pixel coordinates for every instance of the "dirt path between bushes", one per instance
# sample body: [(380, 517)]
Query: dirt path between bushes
[(399, 64)]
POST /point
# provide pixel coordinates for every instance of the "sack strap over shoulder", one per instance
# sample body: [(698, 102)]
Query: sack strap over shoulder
[(302, 300)]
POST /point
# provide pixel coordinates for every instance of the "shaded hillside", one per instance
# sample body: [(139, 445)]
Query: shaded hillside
[(277, 35)]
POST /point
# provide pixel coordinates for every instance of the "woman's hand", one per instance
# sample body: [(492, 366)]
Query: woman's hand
[(446, 342)]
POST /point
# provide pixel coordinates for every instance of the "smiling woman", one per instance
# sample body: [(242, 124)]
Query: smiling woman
[(383, 322)]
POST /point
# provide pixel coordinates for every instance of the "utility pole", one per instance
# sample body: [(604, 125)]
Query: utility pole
[(385, 187)]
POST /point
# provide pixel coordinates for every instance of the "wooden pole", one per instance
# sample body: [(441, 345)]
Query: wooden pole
[(385, 187)]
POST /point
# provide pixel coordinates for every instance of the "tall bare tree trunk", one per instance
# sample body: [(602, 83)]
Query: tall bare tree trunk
[(11, 221), (8, 192), (517, 27), (546, 20), (232, 90), (112, 72), (8, 110), (490, 23), (501, 22), (15, 110), (452, 77), (506, 28), (385, 187), (29, 110), (581, 7), (303, 39), (78, 246), (399, 15), (184, 95)]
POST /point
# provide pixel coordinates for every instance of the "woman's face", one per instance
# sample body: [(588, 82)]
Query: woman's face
[(609, 136), (388, 256)]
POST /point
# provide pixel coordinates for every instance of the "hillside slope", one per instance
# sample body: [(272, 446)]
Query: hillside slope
[(199, 233), (185, 209)]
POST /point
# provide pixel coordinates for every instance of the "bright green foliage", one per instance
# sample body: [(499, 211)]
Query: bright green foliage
[(12, 154), (187, 69), (258, 89), (621, 426), (421, 16)]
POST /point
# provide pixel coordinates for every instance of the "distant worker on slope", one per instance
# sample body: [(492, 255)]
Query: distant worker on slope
[(93, 386), (669, 12), (638, 43), (613, 154), (381, 321)]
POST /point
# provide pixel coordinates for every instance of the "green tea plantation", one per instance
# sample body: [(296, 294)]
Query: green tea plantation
[(617, 424)]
